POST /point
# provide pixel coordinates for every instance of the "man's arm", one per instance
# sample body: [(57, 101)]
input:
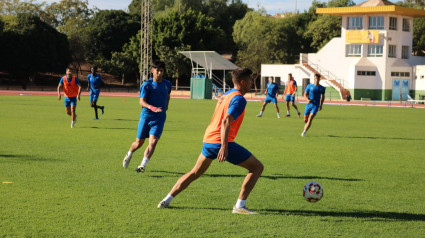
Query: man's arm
[(265, 92), (88, 83), (168, 101), (143, 103), (79, 92), (321, 101), (306, 98), (59, 91), (296, 89), (224, 133)]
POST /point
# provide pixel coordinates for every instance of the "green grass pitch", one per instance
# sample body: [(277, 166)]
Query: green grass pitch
[(70, 182)]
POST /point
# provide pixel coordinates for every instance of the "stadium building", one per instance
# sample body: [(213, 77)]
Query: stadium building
[(371, 60)]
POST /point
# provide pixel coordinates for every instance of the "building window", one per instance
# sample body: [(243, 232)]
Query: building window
[(406, 25), (405, 52), (376, 22), (366, 73), (375, 51), (392, 51), (400, 74), (355, 23), (354, 50), (393, 23)]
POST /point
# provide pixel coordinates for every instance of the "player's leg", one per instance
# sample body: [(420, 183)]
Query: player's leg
[(155, 132), (93, 105), (73, 115), (277, 109), (296, 108), (308, 121), (184, 181), (68, 110), (287, 106), (142, 133), (262, 108), (255, 169), (150, 149)]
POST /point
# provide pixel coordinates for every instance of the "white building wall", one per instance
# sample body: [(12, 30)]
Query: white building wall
[(282, 71), (419, 82)]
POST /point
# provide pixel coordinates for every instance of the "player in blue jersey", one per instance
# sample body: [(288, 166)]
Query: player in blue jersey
[(315, 96), (272, 92), (94, 83), (154, 98)]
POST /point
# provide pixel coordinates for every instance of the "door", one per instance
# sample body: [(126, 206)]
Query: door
[(306, 82), (404, 89), (396, 89)]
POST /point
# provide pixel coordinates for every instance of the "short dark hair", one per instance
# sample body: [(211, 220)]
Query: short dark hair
[(317, 75), (94, 67), (290, 74), (158, 64), (240, 74)]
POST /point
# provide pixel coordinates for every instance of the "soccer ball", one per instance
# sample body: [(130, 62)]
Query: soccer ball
[(313, 192)]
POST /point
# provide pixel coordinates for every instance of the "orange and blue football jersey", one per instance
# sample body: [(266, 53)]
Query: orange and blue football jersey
[(290, 87), (233, 103)]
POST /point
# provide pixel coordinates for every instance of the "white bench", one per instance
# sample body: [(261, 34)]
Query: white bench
[(411, 100)]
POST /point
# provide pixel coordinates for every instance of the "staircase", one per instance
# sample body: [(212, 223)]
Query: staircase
[(331, 79)]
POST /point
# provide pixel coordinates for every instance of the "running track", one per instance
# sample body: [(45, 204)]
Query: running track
[(253, 99)]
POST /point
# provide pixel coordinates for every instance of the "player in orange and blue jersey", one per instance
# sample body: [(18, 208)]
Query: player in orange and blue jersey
[(272, 91), (154, 98), (315, 96), (290, 91), (72, 91), (94, 83), (219, 143)]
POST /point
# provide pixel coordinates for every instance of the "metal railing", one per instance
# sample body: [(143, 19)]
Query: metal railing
[(217, 81), (326, 73)]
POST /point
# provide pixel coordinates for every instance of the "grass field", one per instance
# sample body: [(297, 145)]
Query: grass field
[(70, 182)]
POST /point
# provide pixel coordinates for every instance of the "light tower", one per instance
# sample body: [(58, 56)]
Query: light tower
[(145, 40)]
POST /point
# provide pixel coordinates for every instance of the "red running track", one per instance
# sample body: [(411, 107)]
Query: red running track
[(123, 94)]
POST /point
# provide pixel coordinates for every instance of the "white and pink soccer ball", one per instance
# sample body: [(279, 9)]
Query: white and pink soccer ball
[(313, 192)]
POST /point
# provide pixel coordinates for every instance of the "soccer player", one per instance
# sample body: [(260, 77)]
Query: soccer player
[(94, 83), (72, 91), (219, 143), (272, 92), (290, 91), (154, 98), (315, 96)]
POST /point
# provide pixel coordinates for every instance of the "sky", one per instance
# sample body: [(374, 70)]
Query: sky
[(271, 6)]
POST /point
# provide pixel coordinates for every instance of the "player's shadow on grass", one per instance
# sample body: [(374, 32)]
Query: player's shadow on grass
[(376, 138), (356, 214), (272, 177), (108, 128), (7, 158), (119, 119)]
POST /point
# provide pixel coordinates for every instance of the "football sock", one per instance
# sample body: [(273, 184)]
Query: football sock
[(73, 123), (298, 111), (240, 203), (129, 153), (144, 161), (168, 199), (278, 114), (261, 113), (287, 113)]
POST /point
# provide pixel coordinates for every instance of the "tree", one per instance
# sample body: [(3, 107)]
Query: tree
[(325, 27), (264, 40), (15, 7), (109, 30), (120, 64), (31, 46)]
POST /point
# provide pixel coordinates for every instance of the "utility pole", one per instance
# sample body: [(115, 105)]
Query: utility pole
[(145, 40)]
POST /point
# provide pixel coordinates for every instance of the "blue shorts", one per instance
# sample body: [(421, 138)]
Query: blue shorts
[(237, 153), (270, 99), (150, 126), (94, 96), (289, 98), (70, 101), (311, 108)]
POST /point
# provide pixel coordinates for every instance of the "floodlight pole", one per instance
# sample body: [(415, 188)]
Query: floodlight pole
[(145, 40)]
